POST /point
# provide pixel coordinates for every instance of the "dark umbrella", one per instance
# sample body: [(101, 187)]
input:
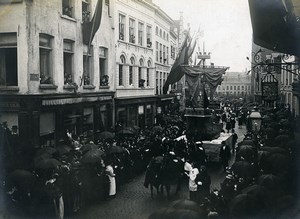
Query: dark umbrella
[(22, 178), (126, 131), (243, 205), (242, 169), (281, 140), (270, 181), (158, 159), (247, 152), (135, 127), (247, 142), (106, 135), (157, 128), (274, 150), (88, 147), (115, 149), (186, 204), (46, 150), (63, 149), (259, 193), (278, 163), (47, 163), (92, 156)]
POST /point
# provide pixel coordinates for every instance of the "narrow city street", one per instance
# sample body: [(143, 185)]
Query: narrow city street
[(133, 200)]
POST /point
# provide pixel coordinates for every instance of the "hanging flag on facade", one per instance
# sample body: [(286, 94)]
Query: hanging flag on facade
[(89, 29), (176, 73)]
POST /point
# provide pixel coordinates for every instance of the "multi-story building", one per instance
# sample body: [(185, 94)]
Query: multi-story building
[(236, 84), (289, 75), (143, 60), (51, 81)]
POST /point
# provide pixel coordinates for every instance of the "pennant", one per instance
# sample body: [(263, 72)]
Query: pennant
[(89, 29)]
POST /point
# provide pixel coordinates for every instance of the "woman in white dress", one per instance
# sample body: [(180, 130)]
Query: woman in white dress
[(112, 180)]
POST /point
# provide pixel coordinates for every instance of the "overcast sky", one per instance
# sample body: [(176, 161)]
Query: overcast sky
[(226, 25)]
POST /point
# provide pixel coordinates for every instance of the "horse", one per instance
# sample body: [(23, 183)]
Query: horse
[(163, 172)]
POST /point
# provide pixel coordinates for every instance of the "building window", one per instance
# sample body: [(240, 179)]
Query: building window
[(164, 35), (86, 12), (8, 59), (87, 66), (156, 51), (121, 27), (160, 53), (131, 71), (238, 87), (172, 52), (160, 33), (167, 37), (156, 31), (140, 79), (230, 87), (104, 79), (164, 54), (234, 87), (140, 33), (67, 7), (45, 59), (121, 70), (131, 30), (148, 74), (68, 62), (149, 37)]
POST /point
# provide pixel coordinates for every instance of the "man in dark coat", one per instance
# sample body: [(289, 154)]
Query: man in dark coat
[(224, 155), (234, 140)]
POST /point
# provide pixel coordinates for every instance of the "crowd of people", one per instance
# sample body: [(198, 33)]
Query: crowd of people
[(77, 173), (262, 181)]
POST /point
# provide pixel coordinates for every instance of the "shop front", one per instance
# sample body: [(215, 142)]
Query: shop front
[(135, 111)]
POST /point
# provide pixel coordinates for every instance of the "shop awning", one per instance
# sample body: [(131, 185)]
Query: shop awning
[(276, 25)]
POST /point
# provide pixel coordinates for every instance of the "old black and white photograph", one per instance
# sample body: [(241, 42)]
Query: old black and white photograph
[(149, 109)]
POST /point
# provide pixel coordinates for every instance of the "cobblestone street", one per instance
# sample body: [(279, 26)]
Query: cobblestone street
[(133, 199)]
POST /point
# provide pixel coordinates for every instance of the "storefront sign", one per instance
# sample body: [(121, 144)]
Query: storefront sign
[(74, 100)]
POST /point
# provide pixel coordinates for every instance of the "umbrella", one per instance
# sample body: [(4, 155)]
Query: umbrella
[(115, 149), (106, 135), (242, 169), (281, 140), (47, 163), (278, 163), (247, 152), (157, 128), (247, 142), (259, 193), (23, 178), (186, 204), (88, 147), (162, 213), (63, 149), (92, 156), (126, 131), (135, 127), (46, 150), (270, 181), (243, 205), (274, 150)]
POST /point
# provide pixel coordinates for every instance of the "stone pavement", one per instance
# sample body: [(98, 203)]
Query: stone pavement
[(133, 200)]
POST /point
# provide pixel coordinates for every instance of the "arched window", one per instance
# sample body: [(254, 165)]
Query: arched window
[(140, 79), (164, 36), (132, 62), (148, 73), (121, 70)]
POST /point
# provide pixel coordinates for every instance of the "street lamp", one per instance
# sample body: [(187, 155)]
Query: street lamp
[(255, 120)]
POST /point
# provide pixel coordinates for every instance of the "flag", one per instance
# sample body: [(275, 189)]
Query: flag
[(89, 29), (176, 73)]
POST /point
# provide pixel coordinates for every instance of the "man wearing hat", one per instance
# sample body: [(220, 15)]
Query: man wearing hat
[(224, 155)]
